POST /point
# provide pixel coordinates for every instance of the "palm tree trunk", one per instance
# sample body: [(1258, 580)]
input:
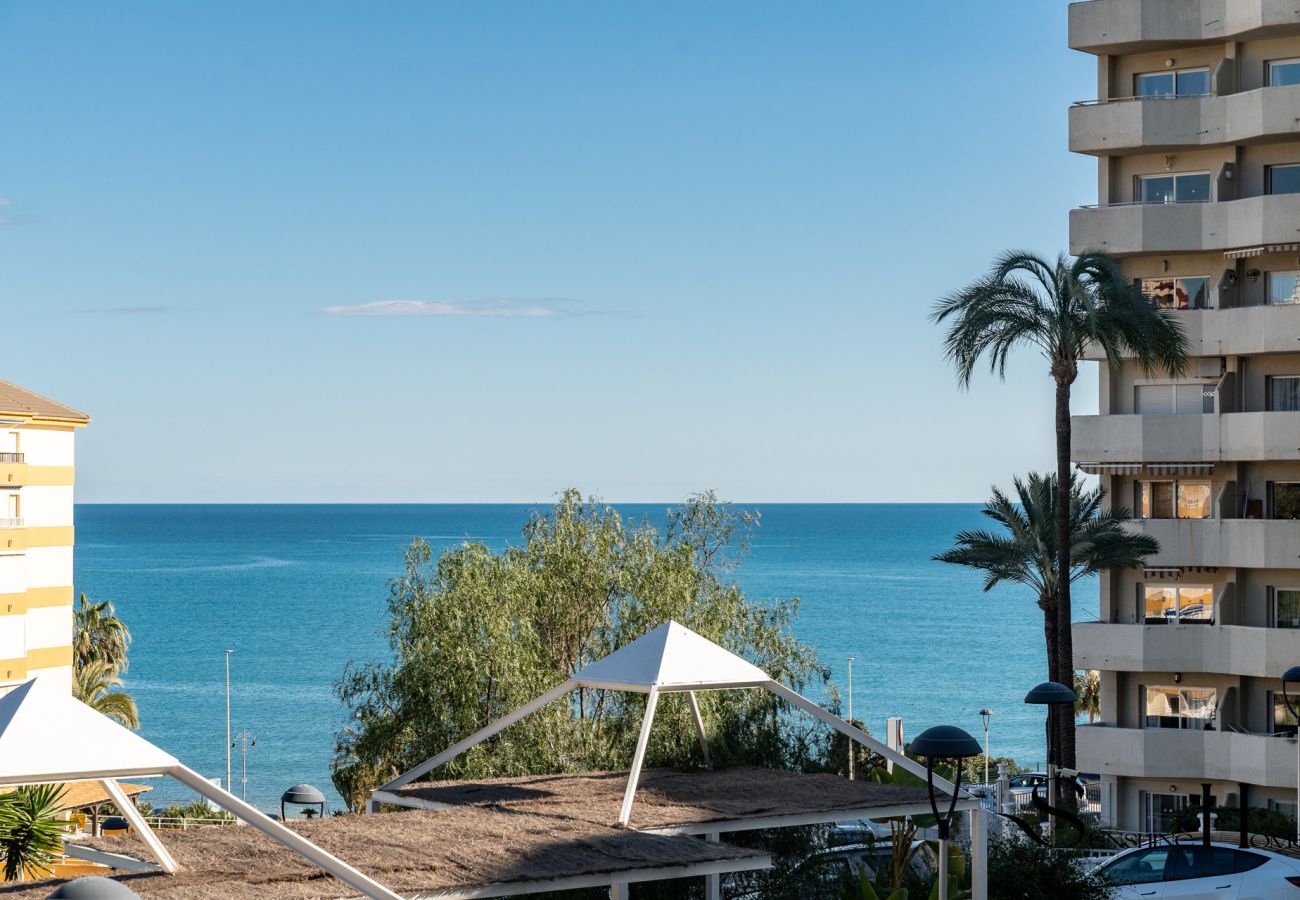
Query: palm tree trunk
[(1064, 641), (1051, 635)]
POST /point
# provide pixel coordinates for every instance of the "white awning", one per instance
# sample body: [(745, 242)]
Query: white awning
[(1260, 251), (1097, 468), (1181, 468)]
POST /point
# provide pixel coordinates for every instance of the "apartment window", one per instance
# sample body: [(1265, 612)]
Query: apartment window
[(1283, 72), (1181, 605), (1192, 187), (1286, 607), (1158, 811), (1283, 179), (1283, 288), (1285, 500), (1173, 499), (1181, 399), (1182, 83), (1186, 709), (1283, 393), (1283, 721), (1177, 293)]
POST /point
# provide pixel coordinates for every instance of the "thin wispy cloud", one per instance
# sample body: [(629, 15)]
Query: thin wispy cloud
[(7, 219), (500, 308)]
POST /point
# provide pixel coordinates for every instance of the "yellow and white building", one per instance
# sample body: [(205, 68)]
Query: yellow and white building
[(36, 536)]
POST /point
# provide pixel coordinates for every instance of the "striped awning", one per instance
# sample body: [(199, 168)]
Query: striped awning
[(1181, 468), (1260, 251), (1177, 571), (1097, 468), (1133, 468)]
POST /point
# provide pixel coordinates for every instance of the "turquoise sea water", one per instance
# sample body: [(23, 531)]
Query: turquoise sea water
[(298, 590)]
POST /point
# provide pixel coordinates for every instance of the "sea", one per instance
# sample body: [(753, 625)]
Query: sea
[(298, 591)]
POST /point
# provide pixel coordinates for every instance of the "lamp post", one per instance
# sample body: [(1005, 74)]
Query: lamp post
[(246, 739), (936, 743), (1290, 676), (986, 714), (1049, 694), (229, 786)]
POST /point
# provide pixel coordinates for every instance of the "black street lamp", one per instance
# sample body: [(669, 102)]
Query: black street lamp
[(936, 743), (1049, 694), (1291, 676)]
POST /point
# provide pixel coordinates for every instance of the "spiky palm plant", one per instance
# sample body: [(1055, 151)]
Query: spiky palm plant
[(1060, 309), (1087, 694), (98, 634), (1024, 550), (96, 685), (31, 829)]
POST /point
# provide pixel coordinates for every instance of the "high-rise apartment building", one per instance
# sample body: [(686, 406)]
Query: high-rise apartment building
[(36, 483)]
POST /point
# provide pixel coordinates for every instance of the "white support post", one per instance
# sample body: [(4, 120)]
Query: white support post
[(979, 854), (480, 736), (651, 701), (712, 883), (857, 734), (279, 833), (699, 728), (128, 808)]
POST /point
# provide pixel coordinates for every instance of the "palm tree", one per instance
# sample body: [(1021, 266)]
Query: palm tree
[(98, 634), (31, 829), (1087, 693), (95, 684), (1061, 309), (1024, 552)]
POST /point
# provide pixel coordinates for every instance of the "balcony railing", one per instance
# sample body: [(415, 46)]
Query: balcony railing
[(1102, 101), (12, 457), (11, 522)]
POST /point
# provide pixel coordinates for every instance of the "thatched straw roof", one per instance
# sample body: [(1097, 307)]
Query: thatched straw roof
[(409, 852), (668, 799), (508, 835)]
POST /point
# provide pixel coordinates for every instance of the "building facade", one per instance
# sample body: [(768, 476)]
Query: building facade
[(36, 536)]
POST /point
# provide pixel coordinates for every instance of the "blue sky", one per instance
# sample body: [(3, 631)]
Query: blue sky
[(484, 251)]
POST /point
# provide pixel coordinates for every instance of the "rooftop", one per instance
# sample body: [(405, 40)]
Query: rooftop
[(18, 401)]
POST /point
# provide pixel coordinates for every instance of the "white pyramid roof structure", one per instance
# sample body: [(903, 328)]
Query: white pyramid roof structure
[(671, 658), (48, 736)]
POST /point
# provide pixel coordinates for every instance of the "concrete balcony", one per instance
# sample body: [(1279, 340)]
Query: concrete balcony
[(1234, 543), (1124, 26), (1244, 330), (1185, 755), (1126, 229), (1225, 649), (1156, 124), (1231, 437)]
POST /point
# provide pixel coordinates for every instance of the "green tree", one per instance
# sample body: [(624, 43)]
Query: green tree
[(1061, 309), (476, 634), (1023, 870), (1023, 551), (96, 685), (99, 635), (31, 829)]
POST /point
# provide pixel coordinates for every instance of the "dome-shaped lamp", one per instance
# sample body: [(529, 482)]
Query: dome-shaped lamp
[(302, 795), (1050, 692), (943, 742), (94, 887)]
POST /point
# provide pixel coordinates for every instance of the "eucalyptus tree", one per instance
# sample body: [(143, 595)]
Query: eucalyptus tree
[(1060, 308), (1023, 551)]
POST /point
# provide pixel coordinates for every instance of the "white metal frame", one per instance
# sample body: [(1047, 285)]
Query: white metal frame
[(1178, 587), (1268, 285), (1175, 176), (1176, 279), (1173, 72), (1268, 69)]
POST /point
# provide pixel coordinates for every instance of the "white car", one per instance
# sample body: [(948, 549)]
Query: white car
[(1192, 871)]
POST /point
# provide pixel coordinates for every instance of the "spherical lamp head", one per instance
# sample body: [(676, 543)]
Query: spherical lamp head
[(1050, 692)]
